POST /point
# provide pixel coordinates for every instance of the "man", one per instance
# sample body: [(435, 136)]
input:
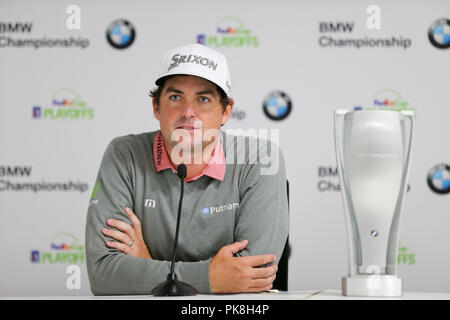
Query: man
[(234, 221)]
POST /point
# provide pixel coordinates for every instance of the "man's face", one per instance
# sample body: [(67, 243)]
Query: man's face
[(186, 104)]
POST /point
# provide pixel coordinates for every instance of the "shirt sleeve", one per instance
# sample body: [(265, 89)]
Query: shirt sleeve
[(110, 271), (263, 217)]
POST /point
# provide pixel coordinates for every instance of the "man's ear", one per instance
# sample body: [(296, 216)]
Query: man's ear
[(155, 108), (227, 113)]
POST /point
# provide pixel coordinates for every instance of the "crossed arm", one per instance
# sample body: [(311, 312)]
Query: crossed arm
[(117, 257), (227, 273)]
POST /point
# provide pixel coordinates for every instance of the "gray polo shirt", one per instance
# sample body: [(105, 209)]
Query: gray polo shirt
[(250, 203)]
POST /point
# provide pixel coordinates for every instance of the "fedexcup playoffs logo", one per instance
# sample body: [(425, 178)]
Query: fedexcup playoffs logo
[(277, 105), (439, 33), (389, 98), (405, 257), (439, 178), (64, 248), (230, 32), (65, 104), (120, 34)]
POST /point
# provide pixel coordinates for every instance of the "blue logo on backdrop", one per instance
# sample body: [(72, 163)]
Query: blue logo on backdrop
[(439, 179), (201, 38), (205, 210), (277, 105), (37, 112), (439, 33), (120, 34)]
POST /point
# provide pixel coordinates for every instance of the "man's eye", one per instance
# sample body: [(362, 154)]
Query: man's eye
[(174, 97), (204, 99)]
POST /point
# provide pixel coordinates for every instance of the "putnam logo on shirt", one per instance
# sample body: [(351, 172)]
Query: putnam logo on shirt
[(225, 208)]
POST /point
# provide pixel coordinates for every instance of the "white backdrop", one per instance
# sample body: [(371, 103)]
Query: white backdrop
[(50, 153)]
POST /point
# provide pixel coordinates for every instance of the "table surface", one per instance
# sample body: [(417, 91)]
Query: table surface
[(337, 295), (271, 295)]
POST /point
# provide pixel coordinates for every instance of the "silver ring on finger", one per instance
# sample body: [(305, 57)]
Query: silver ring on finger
[(131, 243)]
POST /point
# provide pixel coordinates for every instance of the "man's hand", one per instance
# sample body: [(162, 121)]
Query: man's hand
[(238, 274), (130, 240)]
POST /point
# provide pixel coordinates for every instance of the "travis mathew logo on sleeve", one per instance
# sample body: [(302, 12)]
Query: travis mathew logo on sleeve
[(177, 59)]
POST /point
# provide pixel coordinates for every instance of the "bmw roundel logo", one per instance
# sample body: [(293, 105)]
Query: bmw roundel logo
[(205, 210), (120, 34), (439, 178), (277, 105), (439, 33)]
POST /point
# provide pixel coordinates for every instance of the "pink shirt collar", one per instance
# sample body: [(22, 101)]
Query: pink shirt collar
[(215, 168)]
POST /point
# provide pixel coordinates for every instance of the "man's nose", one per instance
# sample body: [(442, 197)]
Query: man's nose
[(189, 109)]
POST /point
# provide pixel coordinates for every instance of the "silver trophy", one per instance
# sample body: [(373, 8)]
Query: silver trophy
[(373, 152)]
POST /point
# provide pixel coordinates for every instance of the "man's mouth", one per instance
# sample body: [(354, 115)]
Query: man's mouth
[(187, 127)]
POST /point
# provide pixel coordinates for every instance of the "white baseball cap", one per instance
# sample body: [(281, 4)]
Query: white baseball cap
[(197, 60)]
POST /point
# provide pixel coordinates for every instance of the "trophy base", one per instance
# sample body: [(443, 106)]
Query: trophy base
[(372, 286)]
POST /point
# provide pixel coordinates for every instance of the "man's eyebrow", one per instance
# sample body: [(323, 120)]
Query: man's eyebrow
[(208, 91), (170, 89)]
